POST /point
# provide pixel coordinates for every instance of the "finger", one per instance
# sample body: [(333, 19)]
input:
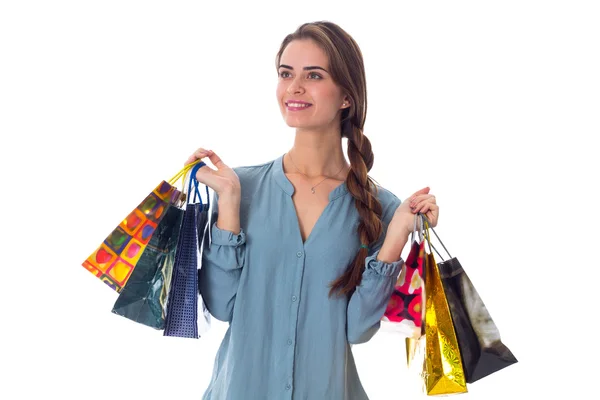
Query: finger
[(216, 161), (433, 216), (425, 207), (419, 201), (425, 190), (201, 150), (190, 160), (198, 155), (421, 197)]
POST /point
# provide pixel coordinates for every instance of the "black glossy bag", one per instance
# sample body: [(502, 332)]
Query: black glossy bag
[(482, 350), (143, 299)]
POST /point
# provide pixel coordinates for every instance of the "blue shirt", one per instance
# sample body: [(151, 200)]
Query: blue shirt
[(287, 339)]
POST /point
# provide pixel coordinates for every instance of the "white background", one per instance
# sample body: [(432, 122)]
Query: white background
[(493, 105)]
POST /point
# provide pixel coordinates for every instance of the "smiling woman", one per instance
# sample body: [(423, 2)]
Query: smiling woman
[(305, 248)]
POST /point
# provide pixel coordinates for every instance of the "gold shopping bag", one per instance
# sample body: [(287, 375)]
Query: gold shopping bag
[(436, 353)]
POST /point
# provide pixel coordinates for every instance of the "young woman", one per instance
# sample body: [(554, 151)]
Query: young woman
[(305, 249)]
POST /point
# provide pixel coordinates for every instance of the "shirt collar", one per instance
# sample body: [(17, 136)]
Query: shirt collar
[(285, 184)]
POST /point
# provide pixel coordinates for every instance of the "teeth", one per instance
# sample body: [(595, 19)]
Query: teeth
[(297, 105)]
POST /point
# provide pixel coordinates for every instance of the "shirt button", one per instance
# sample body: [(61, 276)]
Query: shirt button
[(294, 298), (288, 386), (290, 342), (299, 254)]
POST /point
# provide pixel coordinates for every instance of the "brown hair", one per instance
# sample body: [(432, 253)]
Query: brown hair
[(347, 70)]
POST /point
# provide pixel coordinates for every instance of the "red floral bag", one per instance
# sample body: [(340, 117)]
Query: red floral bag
[(405, 309)]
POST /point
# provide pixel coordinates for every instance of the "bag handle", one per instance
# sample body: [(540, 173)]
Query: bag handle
[(420, 232), (196, 191), (182, 173), (428, 224), (426, 231), (194, 167)]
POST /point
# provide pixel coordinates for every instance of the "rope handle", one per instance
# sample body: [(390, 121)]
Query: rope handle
[(182, 174), (428, 226)]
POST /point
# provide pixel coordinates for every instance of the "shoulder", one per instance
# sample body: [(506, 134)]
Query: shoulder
[(248, 172), (389, 202), (386, 197), (254, 177)]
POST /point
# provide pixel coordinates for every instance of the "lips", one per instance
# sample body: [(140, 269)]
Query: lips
[(298, 108), (297, 102), (304, 105)]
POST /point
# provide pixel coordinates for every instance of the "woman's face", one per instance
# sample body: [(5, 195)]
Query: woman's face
[(313, 85)]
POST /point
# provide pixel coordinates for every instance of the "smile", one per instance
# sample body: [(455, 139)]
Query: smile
[(297, 107)]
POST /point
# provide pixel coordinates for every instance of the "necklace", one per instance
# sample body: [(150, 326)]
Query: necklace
[(312, 189)]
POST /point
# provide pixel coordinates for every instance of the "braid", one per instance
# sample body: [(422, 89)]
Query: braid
[(347, 70), (364, 191)]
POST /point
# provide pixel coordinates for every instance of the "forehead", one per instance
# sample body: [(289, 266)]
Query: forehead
[(302, 53)]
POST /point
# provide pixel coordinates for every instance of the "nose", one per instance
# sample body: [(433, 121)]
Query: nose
[(295, 86)]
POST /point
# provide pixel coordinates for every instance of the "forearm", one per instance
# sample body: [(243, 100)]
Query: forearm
[(392, 248), (222, 258), (369, 302), (229, 212)]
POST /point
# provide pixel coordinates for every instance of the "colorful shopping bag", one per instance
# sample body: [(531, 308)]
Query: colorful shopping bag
[(405, 309), (439, 358), (143, 299), (182, 304), (481, 347), (114, 260), (406, 305)]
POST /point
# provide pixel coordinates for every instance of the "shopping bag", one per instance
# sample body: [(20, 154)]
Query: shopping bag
[(481, 347), (115, 259), (182, 304), (143, 299), (441, 365), (406, 307)]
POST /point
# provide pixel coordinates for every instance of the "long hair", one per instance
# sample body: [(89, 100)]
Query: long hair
[(348, 72)]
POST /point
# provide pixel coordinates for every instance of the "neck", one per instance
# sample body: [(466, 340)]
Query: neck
[(317, 154)]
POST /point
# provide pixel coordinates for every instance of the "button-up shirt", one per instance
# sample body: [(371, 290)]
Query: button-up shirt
[(287, 339)]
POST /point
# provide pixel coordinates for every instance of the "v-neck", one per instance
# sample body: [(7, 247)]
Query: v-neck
[(288, 187)]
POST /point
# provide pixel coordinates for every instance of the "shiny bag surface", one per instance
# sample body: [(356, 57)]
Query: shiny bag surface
[(482, 349), (115, 259), (437, 354), (143, 299)]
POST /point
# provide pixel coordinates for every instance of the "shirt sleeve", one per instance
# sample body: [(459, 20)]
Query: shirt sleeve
[(222, 262), (369, 301)]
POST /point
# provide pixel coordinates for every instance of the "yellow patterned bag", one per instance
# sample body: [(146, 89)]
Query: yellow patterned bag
[(436, 354)]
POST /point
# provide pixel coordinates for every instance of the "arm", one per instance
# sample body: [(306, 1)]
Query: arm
[(222, 258), (382, 267)]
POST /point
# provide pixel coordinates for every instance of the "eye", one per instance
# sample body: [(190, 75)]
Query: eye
[(281, 74)]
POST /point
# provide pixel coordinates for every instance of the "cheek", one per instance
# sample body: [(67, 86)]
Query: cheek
[(280, 91), (330, 98)]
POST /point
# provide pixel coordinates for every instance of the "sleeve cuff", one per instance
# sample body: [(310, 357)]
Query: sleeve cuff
[(227, 238), (373, 266)]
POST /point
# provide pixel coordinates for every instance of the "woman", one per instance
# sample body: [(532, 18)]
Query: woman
[(305, 249)]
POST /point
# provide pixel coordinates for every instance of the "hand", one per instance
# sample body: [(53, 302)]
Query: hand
[(224, 180), (402, 223)]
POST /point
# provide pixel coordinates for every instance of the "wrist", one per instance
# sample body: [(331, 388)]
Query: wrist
[(229, 197), (392, 248)]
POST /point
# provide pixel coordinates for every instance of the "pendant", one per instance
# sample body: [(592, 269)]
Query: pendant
[(313, 190)]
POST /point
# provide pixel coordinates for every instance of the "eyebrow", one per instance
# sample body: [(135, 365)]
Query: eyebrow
[(305, 68)]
